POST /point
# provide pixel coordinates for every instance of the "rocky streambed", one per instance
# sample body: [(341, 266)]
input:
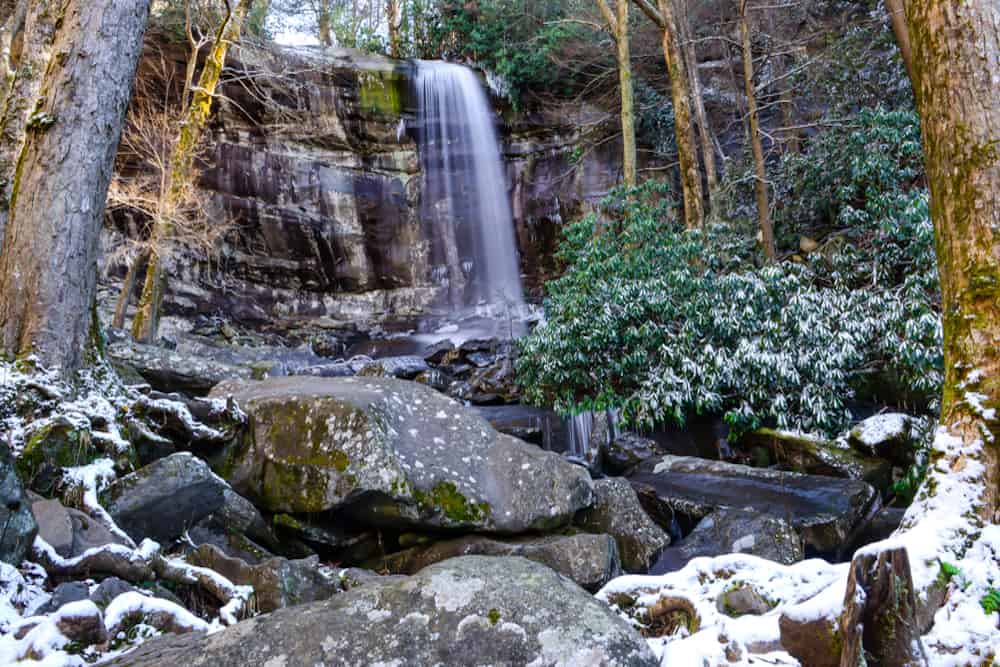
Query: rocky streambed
[(375, 499)]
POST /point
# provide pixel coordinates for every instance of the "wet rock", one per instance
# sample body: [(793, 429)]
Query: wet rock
[(15, 514), (335, 370), (589, 560), (327, 535), (823, 510), (469, 610), (627, 451), (439, 352), (735, 531), (818, 456), (496, 384), (394, 453), (163, 499), (277, 582), (889, 436), (406, 368), (617, 512)]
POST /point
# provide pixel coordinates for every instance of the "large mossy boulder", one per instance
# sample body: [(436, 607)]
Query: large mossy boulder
[(474, 610), (393, 453), (59, 442)]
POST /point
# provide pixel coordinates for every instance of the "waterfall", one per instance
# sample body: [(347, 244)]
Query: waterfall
[(465, 194)]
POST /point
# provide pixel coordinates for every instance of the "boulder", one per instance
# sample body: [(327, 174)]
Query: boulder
[(172, 370), (627, 451), (57, 443), (65, 593), (616, 511), (393, 453), (735, 531), (19, 527), (589, 560), (162, 500), (741, 599), (818, 456), (889, 436), (473, 610), (108, 590), (69, 531), (237, 528), (277, 582), (823, 510), (405, 367)]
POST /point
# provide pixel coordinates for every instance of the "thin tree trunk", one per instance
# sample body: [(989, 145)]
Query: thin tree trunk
[(325, 23), (704, 129), (47, 271), (128, 286), (618, 23), (664, 16), (146, 321), (30, 47), (394, 17), (753, 127), (897, 19), (956, 57)]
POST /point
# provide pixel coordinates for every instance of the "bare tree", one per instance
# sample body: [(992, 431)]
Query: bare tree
[(182, 171)]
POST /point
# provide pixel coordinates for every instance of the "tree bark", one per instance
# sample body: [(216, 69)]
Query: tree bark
[(394, 18), (753, 129), (30, 49), (879, 621), (48, 267), (704, 129), (146, 321), (618, 23), (897, 19), (325, 23), (664, 16), (956, 57)]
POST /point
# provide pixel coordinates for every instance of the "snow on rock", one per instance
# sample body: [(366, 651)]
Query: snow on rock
[(881, 428), (131, 608)]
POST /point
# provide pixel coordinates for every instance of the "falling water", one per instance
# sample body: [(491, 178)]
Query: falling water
[(465, 191)]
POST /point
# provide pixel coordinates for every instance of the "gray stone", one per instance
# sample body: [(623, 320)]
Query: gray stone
[(277, 582), (171, 370), (823, 510), (19, 527), (627, 451), (742, 599), (890, 436), (66, 592), (163, 499), (394, 453), (735, 531), (617, 512), (54, 525), (108, 590), (473, 610), (405, 367), (589, 560)]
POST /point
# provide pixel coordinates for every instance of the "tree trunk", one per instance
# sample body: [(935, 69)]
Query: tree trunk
[(753, 128), (704, 129), (897, 19), (146, 321), (394, 18), (30, 45), (48, 269), (325, 23), (956, 57), (664, 16), (128, 286), (618, 23), (879, 621)]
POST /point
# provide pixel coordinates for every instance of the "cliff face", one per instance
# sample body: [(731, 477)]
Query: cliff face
[(313, 154)]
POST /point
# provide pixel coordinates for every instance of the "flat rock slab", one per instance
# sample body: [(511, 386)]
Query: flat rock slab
[(474, 610), (824, 510), (393, 453)]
